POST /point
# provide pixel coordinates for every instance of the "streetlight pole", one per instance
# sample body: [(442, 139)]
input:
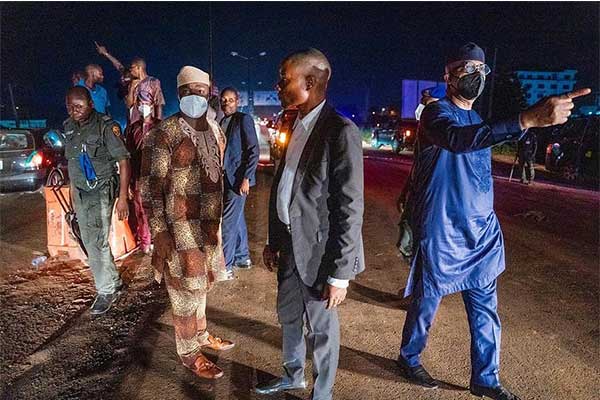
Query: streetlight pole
[(250, 92), (248, 59)]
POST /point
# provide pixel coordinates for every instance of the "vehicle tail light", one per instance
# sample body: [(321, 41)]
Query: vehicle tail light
[(282, 137), (34, 160)]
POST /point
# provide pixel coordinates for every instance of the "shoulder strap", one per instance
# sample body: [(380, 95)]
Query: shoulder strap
[(105, 121)]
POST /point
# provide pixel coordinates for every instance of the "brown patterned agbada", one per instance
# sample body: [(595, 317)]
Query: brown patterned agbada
[(182, 197), (182, 189)]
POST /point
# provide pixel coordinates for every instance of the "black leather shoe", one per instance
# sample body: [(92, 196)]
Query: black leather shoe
[(278, 385), (103, 302), (496, 393), (417, 375)]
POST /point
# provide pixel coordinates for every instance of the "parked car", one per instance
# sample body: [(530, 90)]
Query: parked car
[(407, 129), (400, 136), (385, 137), (26, 158), (572, 149)]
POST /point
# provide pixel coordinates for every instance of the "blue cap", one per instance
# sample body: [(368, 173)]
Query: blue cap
[(437, 92), (469, 51)]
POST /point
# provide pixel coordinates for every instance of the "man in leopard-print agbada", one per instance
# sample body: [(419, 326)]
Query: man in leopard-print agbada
[(182, 190)]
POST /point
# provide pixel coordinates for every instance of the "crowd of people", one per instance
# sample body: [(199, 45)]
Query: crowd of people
[(190, 175)]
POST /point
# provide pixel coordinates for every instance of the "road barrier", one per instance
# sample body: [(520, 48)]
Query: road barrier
[(61, 241)]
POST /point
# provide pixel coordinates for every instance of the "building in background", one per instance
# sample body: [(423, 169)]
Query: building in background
[(23, 123), (540, 84), (411, 95)]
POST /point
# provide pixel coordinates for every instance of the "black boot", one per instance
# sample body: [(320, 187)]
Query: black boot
[(103, 302)]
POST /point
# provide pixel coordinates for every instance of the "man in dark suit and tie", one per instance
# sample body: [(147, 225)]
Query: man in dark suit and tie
[(240, 162), (315, 223)]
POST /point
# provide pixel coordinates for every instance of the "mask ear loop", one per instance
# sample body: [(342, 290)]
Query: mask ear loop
[(93, 185), (453, 78)]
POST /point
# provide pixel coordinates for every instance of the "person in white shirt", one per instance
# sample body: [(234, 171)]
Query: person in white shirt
[(315, 223)]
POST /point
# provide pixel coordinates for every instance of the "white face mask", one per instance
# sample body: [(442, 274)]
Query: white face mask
[(193, 106), (418, 111), (145, 110)]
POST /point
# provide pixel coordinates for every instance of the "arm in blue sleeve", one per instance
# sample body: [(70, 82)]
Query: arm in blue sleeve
[(441, 129), (251, 149)]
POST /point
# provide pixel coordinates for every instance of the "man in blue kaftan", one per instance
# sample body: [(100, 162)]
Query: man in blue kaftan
[(458, 243)]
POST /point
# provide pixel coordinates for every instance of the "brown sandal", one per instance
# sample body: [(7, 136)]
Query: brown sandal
[(216, 343), (204, 368)]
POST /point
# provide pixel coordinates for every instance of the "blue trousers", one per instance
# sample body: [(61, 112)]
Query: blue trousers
[(484, 324), (235, 233)]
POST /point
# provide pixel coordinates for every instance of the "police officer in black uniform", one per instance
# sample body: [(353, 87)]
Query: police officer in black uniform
[(88, 131), (527, 147)]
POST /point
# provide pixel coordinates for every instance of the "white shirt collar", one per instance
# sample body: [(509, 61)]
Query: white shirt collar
[(310, 119)]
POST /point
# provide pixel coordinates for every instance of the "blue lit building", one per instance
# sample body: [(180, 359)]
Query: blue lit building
[(411, 95), (539, 84)]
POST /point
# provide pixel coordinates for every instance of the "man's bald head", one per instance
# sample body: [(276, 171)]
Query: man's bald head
[(313, 63)]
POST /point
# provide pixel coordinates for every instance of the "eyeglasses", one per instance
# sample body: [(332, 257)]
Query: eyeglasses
[(75, 107), (469, 68)]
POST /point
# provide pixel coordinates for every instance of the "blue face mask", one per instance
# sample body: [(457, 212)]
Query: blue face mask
[(193, 106), (85, 163)]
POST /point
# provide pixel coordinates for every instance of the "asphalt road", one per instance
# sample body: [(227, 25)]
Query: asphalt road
[(548, 303)]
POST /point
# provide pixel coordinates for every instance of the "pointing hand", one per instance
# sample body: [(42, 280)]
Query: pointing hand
[(101, 49), (549, 111)]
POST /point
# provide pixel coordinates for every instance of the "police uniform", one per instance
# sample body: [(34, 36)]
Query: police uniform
[(99, 135)]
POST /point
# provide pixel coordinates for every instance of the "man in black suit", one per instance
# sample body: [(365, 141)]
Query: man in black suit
[(240, 162), (315, 223)]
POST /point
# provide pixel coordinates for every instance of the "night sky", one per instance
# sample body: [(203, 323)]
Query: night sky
[(369, 45)]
